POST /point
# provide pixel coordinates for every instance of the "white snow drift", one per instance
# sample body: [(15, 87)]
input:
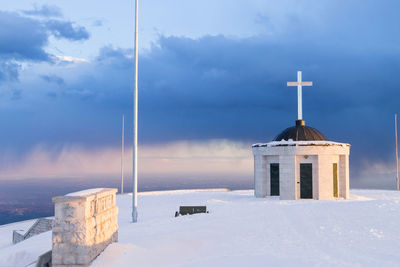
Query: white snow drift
[(241, 230)]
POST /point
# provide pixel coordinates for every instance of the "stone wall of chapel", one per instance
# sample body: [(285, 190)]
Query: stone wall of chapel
[(302, 150), (344, 180), (290, 157), (287, 186), (326, 176), (260, 187)]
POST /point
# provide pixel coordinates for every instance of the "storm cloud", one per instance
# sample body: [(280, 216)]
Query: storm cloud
[(67, 30), (25, 39), (22, 38), (218, 86)]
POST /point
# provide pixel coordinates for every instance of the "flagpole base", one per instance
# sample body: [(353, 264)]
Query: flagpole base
[(134, 214)]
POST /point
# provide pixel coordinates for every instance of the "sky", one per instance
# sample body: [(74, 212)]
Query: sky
[(212, 81)]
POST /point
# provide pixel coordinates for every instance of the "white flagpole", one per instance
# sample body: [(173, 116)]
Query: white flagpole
[(135, 119), (122, 154), (397, 153)]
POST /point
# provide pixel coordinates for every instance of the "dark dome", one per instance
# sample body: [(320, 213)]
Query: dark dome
[(300, 132)]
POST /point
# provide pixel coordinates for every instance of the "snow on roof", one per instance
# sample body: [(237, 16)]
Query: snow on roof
[(84, 192), (290, 142)]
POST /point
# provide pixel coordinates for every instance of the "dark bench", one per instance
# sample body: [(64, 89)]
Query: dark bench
[(185, 210)]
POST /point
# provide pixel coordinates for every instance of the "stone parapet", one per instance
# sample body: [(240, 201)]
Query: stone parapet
[(85, 223)]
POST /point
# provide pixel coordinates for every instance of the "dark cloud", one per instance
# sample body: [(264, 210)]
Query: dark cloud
[(9, 71), (22, 38), (111, 54), (53, 79), (217, 87), (44, 11), (67, 30), (25, 39), (234, 88)]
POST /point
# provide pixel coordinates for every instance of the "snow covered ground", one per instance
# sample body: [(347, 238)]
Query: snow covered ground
[(241, 230), (25, 252)]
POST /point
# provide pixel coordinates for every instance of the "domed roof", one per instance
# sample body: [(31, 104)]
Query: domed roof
[(300, 132)]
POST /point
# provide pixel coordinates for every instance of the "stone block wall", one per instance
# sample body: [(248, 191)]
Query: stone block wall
[(259, 177), (85, 223), (344, 183), (287, 183), (325, 173)]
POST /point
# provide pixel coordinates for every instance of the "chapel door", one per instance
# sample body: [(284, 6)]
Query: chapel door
[(274, 174), (335, 180), (306, 180)]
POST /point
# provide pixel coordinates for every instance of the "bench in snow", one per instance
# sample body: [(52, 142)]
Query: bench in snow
[(185, 210)]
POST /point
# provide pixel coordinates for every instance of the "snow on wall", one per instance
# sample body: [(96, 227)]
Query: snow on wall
[(84, 192)]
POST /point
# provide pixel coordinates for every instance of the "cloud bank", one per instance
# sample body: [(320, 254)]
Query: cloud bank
[(205, 157), (211, 87), (24, 39)]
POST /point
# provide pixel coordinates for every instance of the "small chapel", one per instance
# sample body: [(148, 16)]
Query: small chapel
[(301, 163)]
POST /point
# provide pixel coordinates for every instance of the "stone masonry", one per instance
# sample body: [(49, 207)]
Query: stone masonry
[(85, 223)]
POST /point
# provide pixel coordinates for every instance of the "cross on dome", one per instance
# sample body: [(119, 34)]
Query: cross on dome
[(299, 85)]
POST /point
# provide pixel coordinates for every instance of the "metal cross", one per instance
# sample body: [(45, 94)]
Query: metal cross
[(299, 85)]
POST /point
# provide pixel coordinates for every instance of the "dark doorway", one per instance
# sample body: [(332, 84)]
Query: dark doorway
[(274, 174), (306, 180), (335, 181)]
